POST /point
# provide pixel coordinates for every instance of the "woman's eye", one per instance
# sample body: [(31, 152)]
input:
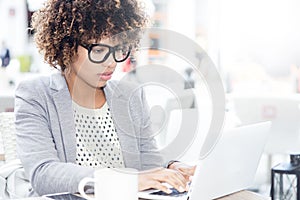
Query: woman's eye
[(98, 50), (122, 50)]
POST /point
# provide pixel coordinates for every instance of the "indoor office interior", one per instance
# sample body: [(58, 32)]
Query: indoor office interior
[(252, 45)]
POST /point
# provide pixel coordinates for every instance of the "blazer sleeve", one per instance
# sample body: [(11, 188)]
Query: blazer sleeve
[(47, 172)]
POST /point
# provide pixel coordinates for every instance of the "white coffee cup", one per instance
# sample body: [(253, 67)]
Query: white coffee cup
[(112, 184)]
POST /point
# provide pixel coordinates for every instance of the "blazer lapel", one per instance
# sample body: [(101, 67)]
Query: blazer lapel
[(63, 103), (119, 107)]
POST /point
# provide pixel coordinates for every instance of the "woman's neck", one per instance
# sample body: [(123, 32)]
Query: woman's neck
[(84, 94)]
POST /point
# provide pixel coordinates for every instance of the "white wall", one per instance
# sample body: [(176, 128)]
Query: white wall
[(181, 17), (13, 23)]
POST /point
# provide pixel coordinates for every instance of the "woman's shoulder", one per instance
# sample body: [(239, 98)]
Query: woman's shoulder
[(123, 88), (34, 82), (40, 79), (40, 83)]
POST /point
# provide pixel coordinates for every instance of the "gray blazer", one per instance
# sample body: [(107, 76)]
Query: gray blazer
[(46, 132)]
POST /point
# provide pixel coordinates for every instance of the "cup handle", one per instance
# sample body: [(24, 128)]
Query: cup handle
[(81, 185)]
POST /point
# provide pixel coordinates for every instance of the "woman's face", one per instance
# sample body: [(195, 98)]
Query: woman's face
[(95, 75)]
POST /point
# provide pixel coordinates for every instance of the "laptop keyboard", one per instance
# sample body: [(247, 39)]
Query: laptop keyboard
[(174, 193)]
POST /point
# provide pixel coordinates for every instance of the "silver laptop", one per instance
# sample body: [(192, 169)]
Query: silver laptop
[(229, 168)]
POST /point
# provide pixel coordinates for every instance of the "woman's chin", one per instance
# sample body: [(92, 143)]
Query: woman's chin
[(101, 84)]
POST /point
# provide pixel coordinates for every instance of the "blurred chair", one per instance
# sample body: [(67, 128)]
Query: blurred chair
[(186, 99), (161, 118), (284, 113), (8, 136), (14, 183), (6, 103)]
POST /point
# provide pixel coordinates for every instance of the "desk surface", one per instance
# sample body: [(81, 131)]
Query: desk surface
[(244, 195)]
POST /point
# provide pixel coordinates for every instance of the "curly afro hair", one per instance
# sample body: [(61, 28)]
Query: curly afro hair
[(61, 25)]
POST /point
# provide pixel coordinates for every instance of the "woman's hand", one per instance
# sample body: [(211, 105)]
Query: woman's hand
[(154, 179), (186, 170)]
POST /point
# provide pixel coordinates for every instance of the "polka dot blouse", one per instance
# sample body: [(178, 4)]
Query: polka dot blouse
[(97, 141)]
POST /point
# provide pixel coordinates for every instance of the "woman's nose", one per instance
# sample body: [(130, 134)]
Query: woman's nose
[(109, 61)]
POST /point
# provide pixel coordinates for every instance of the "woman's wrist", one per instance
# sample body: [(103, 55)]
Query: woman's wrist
[(170, 163)]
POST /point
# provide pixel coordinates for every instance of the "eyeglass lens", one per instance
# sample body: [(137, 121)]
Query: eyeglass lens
[(101, 53)]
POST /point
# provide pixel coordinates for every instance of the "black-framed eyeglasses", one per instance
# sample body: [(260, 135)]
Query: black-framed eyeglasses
[(98, 53)]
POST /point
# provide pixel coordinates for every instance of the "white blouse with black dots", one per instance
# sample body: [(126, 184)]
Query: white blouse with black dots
[(97, 141)]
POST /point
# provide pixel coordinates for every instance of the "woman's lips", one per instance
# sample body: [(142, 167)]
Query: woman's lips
[(105, 76)]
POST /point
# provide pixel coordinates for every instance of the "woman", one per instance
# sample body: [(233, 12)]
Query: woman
[(75, 121)]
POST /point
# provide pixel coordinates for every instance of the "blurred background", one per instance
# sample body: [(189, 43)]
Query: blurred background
[(254, 44)]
